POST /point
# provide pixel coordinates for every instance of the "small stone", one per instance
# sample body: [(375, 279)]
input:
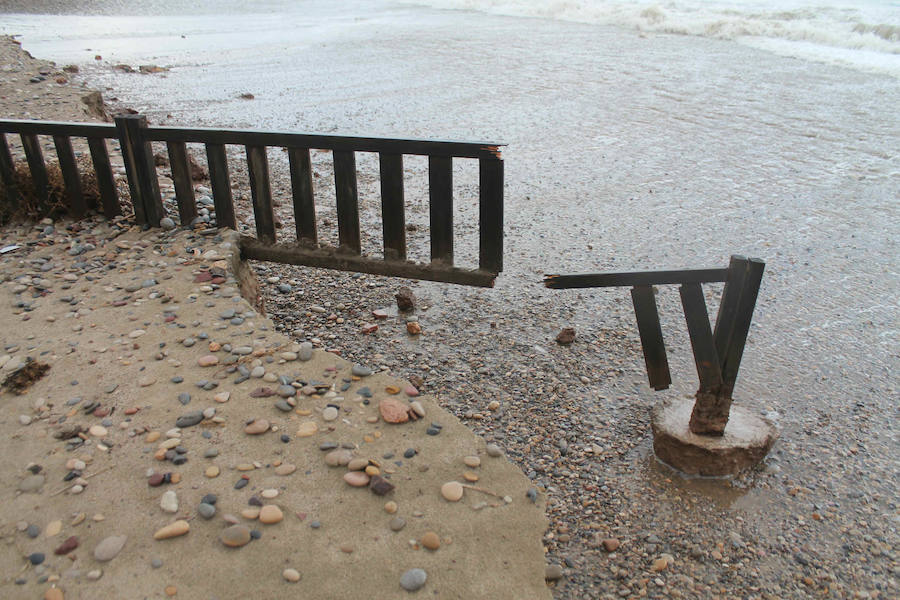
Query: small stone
[(270, 514), (397, 523), (405, 300), (167, 223), (660, 564), (235, 536), (212, 471), (380, 486), (610, 544), (452, 491), (36, 558), (189, 419), (175, 529), (494, 450), (285, 469), (358, 464), (32, 483), (54, 593), (208, 361), (109, 548), (53, 528), (472, 461), (269, 493), (390, 507), (67, 546), (413, 579), (431, 540), (291, 575), (413, 328), (306, 351), (553, 573), (94, 575), (566, 336), (222, 397), (97, 431), (307, 428), (207, 511), (257, 427), (330, 413), (338, 458), (360, 371), (356, 478), (169, 502), (393, 411)]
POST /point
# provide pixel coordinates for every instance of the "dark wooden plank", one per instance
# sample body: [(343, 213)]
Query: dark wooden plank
[(220, 182), (30, 127), (393, 206), (590, 280), (490, 215), (77, 205), (652, 343), (105, 179), (702, 344), (36, 165), (302, 191), (141, 169), (325, 142), (258, 168), (7, 171), (440, 207), (332, 258), (180, 164), (347, 201), (733, 348)]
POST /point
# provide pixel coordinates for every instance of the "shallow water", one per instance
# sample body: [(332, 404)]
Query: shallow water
[(627, 150)]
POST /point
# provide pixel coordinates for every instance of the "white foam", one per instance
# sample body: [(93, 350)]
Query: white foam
[(862, 34)]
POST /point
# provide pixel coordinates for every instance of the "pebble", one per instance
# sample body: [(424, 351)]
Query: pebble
[(397, 523), (208, 361), (305, 352), (393, 411), (212, 471), (257, 427), (494, 450), (32, 483), (97, 431), (175, 529), (356, 478), (235, 536), (431, 540), (222, 397), (189, 419), (169, 502), (54, 593), (269, 493), (110, 547), (452, 491), (330, 413), (360, 371), (270, 514), (413, 580), (610, 544), (307, 428), (338, 458), (67, 546), (53, 528), (390, 507), (36, 558), (472, 461), (291, 575), (207, 511), (285, 469), (553, 573)]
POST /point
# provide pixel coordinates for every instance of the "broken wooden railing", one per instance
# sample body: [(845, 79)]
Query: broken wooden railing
[(135, 138), (717, 353)]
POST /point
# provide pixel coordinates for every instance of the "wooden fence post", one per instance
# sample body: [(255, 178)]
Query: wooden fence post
[(141, 168)]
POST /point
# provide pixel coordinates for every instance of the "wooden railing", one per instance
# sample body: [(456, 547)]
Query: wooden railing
[(135, 138)]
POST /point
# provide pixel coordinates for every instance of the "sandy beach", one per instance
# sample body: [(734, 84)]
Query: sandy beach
[(627, 150)]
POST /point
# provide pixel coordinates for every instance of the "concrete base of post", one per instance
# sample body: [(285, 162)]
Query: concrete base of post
[(746, 441)]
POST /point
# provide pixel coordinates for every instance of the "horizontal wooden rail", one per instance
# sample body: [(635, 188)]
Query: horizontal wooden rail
[(592, 280), (205, 135), (59, 128), (332, 258)]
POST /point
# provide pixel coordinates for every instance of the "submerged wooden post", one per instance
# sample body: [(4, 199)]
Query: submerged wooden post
[(141, 169)]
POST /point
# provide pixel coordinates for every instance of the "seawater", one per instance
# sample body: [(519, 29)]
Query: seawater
[(863, 34)]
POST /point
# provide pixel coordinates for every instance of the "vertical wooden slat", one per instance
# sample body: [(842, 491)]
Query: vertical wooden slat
[(705, 357), (105, 179), (77, 205), (220, 182), (490, 226), (440, 194), (652, 343), (347, 208), (184, 185), (302, 191), (7, 171), (137, 154), (36, 165), (752, 272), (261, 193), (393, 210)]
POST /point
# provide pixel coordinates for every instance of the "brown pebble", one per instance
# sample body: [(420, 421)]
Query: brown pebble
[(270, 514), (356, 478), (610, 544), (155, 479), (235, 536), (347, 548), (431, 540), (452, 491), (67, 546), (171, 530), (54, 593), (171, 590), (380, 486), (393, 411)]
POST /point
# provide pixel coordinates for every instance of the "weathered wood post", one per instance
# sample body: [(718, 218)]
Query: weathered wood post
[(141, 169)]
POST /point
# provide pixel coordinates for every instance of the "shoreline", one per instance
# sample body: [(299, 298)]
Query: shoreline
[(586, 442)]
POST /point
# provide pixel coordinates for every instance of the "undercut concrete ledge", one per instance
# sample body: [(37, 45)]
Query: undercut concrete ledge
[(746, 441)]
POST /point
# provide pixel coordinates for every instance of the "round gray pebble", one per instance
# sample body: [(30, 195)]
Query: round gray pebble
[(413, 579)]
